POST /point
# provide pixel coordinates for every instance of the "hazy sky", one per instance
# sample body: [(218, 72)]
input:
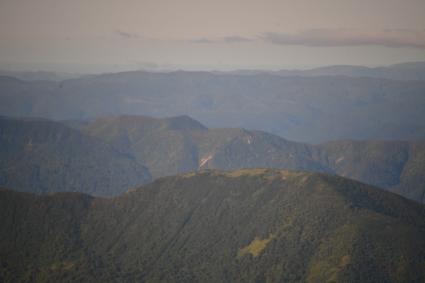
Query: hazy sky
[(106, 35)]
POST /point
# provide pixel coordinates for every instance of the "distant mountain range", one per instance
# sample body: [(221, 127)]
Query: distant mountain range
[(405, 71), (107, 156), (408, 71), (308, 108), (256, 225), (39, 75)]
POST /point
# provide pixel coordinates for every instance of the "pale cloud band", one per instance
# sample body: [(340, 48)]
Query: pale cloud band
[(349, 37), (127, 35), (395, 38), (226, 39)]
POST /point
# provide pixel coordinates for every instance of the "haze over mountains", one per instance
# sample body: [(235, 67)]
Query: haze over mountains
[(309, 109), (408, 71), (97, 186), (38, 75), (248, 225), (404, 71), (170, 141)]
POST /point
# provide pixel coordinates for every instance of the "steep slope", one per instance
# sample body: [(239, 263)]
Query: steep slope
[(308, 109), (45, 156), (394, 165), (256, 225), (18, 98), (163, 145), (239, 148), (41, 235)]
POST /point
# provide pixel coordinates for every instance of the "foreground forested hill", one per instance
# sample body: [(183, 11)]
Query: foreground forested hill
[(256, 225)]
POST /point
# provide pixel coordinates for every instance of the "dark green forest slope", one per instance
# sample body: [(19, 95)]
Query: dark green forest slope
[(256, 225), (43, 156)]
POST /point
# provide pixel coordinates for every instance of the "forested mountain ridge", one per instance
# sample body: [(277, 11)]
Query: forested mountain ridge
[(108, 155), (178, 145), (252, 225), (37, 155)]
